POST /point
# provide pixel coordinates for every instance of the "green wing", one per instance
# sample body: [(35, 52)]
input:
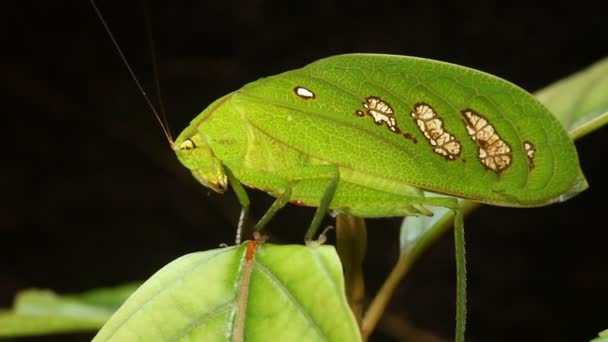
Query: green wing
[(438, 126)]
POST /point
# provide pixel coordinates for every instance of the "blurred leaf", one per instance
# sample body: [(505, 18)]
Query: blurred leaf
[(416, 229), (38, 312), (111, 297), (288, 292), (603, 337), (580, 101)]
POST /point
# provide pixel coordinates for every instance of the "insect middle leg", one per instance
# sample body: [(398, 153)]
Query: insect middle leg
[(316, 183)]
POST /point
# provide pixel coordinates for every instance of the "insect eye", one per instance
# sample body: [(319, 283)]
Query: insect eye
[(187, 145)]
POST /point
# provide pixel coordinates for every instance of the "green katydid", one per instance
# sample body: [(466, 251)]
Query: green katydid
[(369, 134), (381, 135)]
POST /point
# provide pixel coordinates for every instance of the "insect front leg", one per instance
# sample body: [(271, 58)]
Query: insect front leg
[(243, 198), (244, 201)]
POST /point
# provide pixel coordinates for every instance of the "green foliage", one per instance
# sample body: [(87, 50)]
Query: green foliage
[(602, 337), (579, 101), (235, 294), (41, 312)]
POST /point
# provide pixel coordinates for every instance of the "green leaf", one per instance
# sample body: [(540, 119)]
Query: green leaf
[(38, 312), (287, 292), (579, 102), (602, 337)]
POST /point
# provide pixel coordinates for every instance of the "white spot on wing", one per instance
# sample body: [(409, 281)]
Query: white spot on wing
[(304, 93)]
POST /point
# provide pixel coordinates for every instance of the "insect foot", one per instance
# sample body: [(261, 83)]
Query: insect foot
[(322, 238)]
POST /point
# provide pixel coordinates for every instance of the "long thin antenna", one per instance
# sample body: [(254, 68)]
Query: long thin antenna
[(124, 59), (152, 44)]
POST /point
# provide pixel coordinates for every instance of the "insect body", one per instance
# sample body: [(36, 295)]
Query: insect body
[(371, 134), (377, 136), (380, 135)]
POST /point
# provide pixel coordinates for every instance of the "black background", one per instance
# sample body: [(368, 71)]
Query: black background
[(94, 197)]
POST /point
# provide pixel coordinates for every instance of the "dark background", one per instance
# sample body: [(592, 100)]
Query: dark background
[(94, 197)]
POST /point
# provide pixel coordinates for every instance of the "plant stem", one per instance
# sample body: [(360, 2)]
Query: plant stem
[(351, 243), (378, 305)]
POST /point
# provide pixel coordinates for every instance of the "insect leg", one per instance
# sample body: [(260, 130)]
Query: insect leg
[(461, 276), (308, 182), (301, 178), (241, 195), (324, 172), (274, 208), (328, 195)]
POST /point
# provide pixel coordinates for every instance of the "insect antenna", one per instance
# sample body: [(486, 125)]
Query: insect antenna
[(163, 123), (152, 45)]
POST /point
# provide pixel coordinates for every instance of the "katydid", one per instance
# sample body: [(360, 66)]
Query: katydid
[(379, 136)]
